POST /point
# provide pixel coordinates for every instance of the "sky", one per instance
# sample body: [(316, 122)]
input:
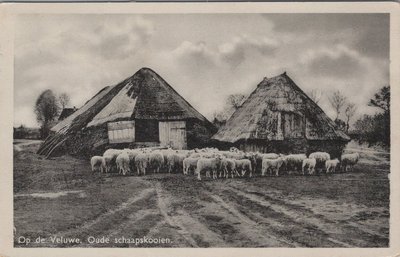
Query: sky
[(205, 57)]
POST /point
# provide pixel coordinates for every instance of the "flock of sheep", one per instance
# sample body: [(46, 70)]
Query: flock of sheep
[(211, 161)]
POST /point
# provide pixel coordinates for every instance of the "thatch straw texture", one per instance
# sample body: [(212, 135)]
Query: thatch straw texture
[(158, 100), (68, 121), (120, 107), (261, 115)]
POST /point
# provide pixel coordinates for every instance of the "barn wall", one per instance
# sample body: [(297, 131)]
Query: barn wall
[(288, 146), (94, 140)]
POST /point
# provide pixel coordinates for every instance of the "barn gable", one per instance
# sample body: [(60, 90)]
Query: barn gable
[(277, 110)]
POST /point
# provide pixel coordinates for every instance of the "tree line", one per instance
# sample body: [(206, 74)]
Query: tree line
[(375, 129), (371, 129)]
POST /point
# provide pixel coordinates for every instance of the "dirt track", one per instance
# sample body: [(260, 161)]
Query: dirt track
[(232, 213), (342, 210)]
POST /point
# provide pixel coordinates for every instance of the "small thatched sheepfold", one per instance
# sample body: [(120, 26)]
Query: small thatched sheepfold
[(279, 117), (143, 110)]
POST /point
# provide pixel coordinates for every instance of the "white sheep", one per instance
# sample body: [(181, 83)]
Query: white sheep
[(211, 149), (227, 165), (122, 162), (321, 158), (97, 163), (141, 162), (156, 161), (271, 164), (235, 155), (207, 165), (208, 155), (244, 166), (110, 156), (330, 165), (253, 159), (169, 160), (270, 156), (195, 155), (260, 156), (349, 160), (172, 161), (310, 164), (175, 160), (294, 161), (189, 164), (233, 149), (132, 154), (165, 153)]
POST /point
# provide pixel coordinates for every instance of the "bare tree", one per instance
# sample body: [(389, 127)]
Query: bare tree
[(349, 112), (64, 100), (315, 95), (337, 101), (46, 110), (232, 103), (235, 100)]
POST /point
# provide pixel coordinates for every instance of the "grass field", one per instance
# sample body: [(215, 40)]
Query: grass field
[(61, 198)]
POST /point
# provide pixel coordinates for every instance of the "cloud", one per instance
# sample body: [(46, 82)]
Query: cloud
[(36, 57), (236, 51), (367, 32), (196, 56), (338, 61), (110, 38), (76, 54), (124, 39), (231, 53), (80, 54)]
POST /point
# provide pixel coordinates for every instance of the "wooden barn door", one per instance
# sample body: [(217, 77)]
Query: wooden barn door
[(173, 134)]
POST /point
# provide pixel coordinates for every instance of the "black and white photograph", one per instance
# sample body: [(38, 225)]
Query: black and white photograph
[(202, 130)]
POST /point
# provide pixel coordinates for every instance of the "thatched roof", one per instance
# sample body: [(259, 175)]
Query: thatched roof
[(65, 113), (145, 95), (258, 116)]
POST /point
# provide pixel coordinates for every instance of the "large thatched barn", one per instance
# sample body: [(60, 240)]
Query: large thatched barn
[(141, 111), (279, 117)]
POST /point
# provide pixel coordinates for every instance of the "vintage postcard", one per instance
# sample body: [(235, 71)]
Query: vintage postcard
[(200, 129)]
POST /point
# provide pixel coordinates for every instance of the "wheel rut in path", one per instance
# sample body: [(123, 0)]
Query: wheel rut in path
[(102, 222), (305, 217), (192, 230), (254, 231), (329, 214)]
